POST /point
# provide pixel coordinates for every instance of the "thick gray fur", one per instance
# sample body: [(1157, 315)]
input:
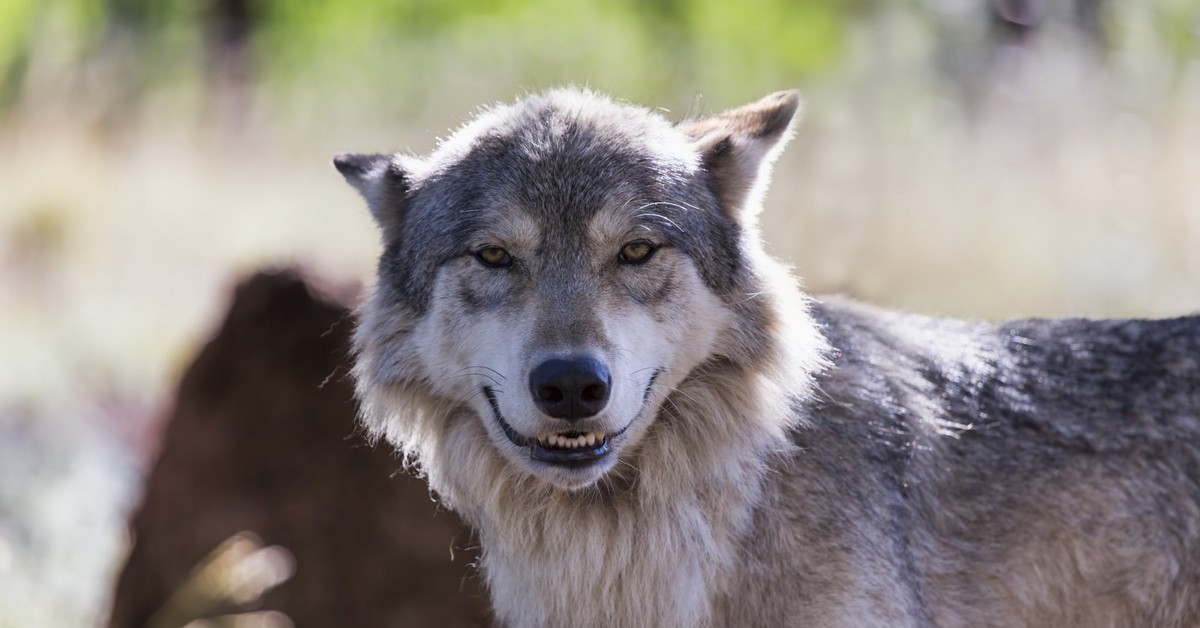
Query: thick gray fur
[(781, 460)]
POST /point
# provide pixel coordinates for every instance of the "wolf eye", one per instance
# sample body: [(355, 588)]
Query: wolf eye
[(637, 252), (494, 257)]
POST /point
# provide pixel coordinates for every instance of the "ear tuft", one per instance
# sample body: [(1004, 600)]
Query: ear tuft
[(383, 182), (358, 169), (774, 113), (737, 148), (355, 165)]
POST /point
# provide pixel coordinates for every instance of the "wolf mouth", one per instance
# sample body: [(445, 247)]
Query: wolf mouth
[(571, 448)]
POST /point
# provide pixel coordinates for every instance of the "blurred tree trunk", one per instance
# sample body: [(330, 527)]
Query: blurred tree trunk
[(262, 440), (1013, 21), (229, 28)]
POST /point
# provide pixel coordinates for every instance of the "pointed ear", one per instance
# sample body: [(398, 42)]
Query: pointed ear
[(738, 147), (383, 180)]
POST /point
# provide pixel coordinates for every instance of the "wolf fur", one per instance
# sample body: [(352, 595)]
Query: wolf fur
[(785, 461)]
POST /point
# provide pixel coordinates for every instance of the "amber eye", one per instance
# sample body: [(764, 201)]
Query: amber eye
[(637, 252), (494, 257)]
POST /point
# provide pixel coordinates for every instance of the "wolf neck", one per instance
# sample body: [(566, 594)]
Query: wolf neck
[(656, 546)]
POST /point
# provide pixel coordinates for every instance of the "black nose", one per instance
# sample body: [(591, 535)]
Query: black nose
[(570, 388)]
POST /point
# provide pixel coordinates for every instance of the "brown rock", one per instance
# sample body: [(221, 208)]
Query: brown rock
[(262, 439)]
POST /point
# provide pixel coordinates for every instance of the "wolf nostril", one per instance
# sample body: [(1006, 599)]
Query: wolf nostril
[(549, 394), (595, 392), (572, 388)]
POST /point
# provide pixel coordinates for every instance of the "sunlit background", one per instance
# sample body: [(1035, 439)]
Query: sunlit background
[(978, 158)]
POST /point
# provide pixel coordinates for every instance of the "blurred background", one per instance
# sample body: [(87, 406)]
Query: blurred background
[(977, 158)]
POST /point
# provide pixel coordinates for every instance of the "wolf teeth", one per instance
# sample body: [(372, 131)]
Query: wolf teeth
[(589, 439)]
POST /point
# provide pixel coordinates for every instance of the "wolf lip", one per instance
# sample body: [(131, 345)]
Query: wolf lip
[(570, 457), (566, 456), (550, 448), (513, 435)]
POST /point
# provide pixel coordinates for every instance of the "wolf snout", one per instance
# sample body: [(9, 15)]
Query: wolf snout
[(571, 388)]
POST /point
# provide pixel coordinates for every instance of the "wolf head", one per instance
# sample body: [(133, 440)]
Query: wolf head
[(554, 272)]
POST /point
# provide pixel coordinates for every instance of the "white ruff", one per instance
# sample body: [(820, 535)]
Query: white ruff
[(656, 540)]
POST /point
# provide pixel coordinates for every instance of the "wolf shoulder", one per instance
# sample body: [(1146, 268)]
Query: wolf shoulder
[(1082, 384)]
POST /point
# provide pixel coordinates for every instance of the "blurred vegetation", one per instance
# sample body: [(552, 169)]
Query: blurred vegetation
[(123, 50), (646, 48)]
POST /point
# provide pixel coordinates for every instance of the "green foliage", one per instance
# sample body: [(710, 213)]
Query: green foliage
[(16, 18), (641, 48), (798, 36), (1179, 24)]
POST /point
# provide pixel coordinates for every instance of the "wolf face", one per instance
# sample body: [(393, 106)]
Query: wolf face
[(554, 270)]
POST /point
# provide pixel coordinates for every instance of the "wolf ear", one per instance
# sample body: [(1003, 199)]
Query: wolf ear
[(383, 180), (737, 148)]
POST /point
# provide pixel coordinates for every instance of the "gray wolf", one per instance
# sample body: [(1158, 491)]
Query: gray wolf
[(577, 337)]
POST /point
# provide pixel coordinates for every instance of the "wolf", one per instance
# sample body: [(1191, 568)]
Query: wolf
[(576, 336)]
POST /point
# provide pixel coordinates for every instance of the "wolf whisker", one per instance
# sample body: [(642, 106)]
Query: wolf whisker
[(660, 216), (469, 377), (676, 205), (486, 368)]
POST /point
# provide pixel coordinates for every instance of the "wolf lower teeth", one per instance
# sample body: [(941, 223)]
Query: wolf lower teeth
[(578, 441)]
